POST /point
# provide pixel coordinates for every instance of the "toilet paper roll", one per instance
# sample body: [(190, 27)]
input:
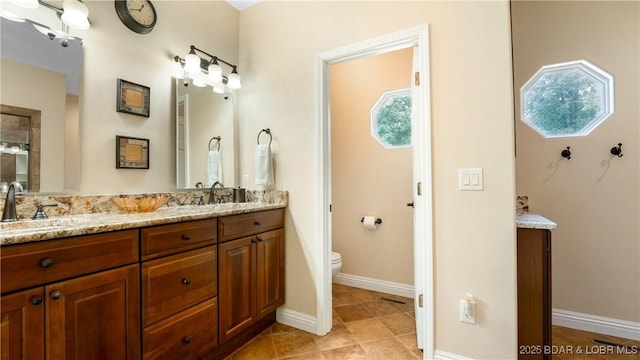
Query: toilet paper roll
[(369, 222)]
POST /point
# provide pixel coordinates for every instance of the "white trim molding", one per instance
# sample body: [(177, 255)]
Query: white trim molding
[(297, 320), (597, 324), (367, 283), (443, 355)]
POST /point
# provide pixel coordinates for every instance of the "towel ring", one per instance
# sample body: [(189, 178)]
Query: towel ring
[(214, 138), (268, 131)]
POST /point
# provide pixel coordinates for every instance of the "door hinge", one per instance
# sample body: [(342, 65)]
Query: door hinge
[(419, 189), (417, 78), (330, 207), (420, 300)]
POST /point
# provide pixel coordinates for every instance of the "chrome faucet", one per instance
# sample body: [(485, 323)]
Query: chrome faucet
[(9, 213), (212, 192)]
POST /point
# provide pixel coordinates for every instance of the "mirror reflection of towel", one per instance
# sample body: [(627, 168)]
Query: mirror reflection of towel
[(264, 165), (214, 167)]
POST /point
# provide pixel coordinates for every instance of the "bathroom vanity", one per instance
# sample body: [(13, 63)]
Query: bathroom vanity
[(183, 283), (534, 286)]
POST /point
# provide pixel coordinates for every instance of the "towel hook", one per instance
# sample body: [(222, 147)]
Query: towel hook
[(214, 138), (617, 150), (566, 153), (268, 131)]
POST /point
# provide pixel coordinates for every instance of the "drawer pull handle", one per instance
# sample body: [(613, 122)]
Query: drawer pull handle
[(258, 238), (186, 237), (186, 281), (36, 300), (56, 295), (254, 241), (256, 223), (186, 340), (45, 263)]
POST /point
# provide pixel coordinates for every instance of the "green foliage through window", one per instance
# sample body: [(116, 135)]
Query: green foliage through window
[(567, 99), (391, 123)]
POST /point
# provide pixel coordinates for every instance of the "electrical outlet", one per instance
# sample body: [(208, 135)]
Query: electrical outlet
[(467, 311)]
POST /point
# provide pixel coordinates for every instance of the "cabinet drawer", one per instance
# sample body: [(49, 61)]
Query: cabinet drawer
[(187, 335), (169, 239), (235, 226), (40, 263), (172, 284)]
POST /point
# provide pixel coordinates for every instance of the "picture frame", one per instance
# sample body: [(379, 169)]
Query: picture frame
[(132, 98), (132, 153)]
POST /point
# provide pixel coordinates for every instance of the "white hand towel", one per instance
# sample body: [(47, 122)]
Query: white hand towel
[(214, 167), (264, 165)]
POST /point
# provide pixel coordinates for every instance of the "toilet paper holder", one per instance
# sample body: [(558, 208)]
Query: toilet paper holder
[(378, 221)]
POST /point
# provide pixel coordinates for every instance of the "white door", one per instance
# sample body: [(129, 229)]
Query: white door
[(418, 208)]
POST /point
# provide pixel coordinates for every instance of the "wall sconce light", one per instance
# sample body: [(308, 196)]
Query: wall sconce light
[(203, 71), (73, 15)]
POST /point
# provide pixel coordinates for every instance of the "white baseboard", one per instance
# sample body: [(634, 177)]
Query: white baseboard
[(367, 283), (296, 319), (443, 355), (597, 324)]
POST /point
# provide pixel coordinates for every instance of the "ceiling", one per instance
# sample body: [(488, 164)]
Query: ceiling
[(242, 4)]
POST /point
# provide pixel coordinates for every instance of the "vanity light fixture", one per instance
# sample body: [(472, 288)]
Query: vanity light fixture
[(206, 70), (75, 14)]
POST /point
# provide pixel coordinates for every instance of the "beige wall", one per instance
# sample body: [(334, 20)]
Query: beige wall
[(594, 197), (472, 116), (49, 98), (368, 179)]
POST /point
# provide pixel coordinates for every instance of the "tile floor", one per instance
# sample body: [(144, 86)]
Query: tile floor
[(364, 328)]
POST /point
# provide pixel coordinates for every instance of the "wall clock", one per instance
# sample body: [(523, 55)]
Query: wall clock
[(138, 15)]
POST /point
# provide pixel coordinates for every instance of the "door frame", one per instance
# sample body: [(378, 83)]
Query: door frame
[(417, 36)]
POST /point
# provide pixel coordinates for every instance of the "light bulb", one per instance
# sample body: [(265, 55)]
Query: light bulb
[(215, 72), (75, 14), (192, 62), (234, 81)]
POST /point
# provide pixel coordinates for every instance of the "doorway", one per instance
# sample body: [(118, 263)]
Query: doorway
[(371, 167), (421, 184)]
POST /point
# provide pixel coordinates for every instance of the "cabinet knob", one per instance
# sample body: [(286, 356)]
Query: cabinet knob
[(56, 295), (45, 263), (186, 340), (254, 241), (186, 237), (256, 223), (258, 239), (36, 300), (186, 281)]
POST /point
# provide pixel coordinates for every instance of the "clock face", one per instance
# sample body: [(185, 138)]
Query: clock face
[(138, 15), (142, 11)]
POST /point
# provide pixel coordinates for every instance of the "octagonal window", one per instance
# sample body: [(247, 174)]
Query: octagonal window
[(567, 99), (391, 119)]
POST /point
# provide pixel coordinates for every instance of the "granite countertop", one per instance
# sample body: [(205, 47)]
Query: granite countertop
[(26, 231), (534, 221)]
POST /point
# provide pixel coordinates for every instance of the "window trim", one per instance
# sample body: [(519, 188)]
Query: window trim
[(597, 74)]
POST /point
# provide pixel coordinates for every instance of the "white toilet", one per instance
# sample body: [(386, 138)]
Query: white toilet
[(336, 263)]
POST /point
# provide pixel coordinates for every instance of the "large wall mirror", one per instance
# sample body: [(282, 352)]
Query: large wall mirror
[(204, 124), (39, 75)]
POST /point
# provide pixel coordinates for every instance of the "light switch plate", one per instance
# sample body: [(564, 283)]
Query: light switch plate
[(470, 179)]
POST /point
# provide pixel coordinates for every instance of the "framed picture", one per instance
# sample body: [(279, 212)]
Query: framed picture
[(133, 98), (132, 153)]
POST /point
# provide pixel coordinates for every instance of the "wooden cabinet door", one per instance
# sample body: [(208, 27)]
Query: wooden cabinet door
[(269, 271), (534, 293), (22, 325), (237, 284), (95, 316)]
